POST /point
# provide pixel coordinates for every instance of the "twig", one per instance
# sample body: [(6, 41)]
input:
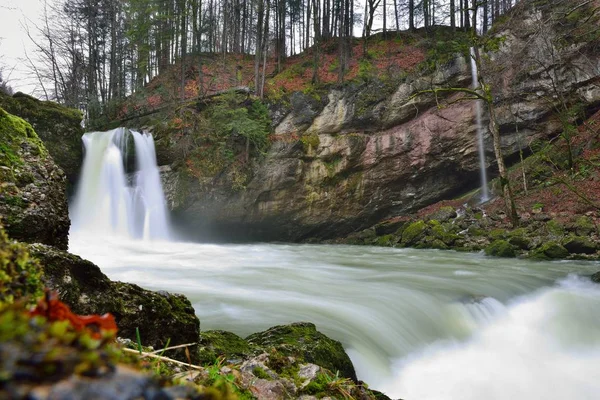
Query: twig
[(162, 358), (173, 347)]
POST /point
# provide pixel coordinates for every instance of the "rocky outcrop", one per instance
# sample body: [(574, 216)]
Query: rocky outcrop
[(33, 203), (367, 152), (541, 237), (300, 341), (159, 316), (59, 128)]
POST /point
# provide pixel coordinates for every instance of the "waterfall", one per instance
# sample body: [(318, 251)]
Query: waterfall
[(482, 170), (108, 200)]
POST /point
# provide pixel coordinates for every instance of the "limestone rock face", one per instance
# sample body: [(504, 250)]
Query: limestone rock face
[(33, 202), (366, 152)]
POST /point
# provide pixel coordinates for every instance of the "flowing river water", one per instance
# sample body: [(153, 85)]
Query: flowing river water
[(418, 324)]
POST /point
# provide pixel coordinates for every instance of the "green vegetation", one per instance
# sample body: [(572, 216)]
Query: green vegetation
[(15, 132), (20, 275)]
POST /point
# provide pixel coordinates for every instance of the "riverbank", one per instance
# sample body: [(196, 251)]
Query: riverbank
[(556, 191)]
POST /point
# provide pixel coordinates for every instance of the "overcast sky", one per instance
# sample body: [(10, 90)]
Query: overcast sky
[(14, 44)]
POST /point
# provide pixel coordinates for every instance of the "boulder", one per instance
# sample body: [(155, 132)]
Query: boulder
[(159, 316), (500, 248), (33, 202), (303, 341)]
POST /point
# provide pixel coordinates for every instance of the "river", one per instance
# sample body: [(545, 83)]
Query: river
[(418, 324)]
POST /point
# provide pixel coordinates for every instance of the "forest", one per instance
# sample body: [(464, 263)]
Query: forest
[(92, 54)]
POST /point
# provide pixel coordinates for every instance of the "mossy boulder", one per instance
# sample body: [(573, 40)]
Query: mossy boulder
[(302, 340), (500, 248), (579, 244), (217, 343), (59, 128), (33, 202), (443, 234), (521, 242), (596, 277), (584, 226), (159, 316), (549, 251), (555, 228), (20, 275), (444, 214), (386, 240), (413, 233)]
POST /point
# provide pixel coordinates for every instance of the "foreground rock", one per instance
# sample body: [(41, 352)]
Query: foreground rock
[(302, 340), (159, 316), (33, 203)]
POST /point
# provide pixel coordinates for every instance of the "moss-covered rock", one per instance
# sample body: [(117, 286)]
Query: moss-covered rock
[(444, 214), (442, 233), (413, 233), (521, 242), (159, 316), (500, 248), (496, 234), (218, 343), (59, 128), (584, 226), (555, 228), (549, 251), (596, 277), (302, 340), (33, 203), (579, 244), (20, 275), (386, 240)]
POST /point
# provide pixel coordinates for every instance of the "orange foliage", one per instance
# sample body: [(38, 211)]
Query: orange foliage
[(55, 310)]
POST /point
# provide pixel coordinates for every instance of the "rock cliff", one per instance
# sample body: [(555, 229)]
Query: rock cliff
[(368, 151), (33, 203), (59, 128)]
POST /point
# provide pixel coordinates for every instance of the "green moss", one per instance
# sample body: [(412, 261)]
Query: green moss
[(500, 248), (302, 341), (217, 343), (495, 234), (14, 133), (309, 142), (441, 233), (476, 231), (555, 228), (261, 373), (413, 233), (584, 225), (386, 240), (549, 251), (522, 242), (20, 275)]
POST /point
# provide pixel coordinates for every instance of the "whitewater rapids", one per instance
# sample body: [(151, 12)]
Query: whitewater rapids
[(418, 324)]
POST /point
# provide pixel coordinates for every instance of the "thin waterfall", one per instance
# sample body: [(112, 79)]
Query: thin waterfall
[(480, 145), (108, 201)]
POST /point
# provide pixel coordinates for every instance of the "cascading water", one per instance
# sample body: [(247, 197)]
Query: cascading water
[(480, 148), (107, 202)]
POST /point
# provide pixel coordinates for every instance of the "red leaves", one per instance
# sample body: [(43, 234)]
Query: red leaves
[(55, 310)]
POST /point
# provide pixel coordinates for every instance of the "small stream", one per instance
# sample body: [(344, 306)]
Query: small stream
[(418, 324)]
